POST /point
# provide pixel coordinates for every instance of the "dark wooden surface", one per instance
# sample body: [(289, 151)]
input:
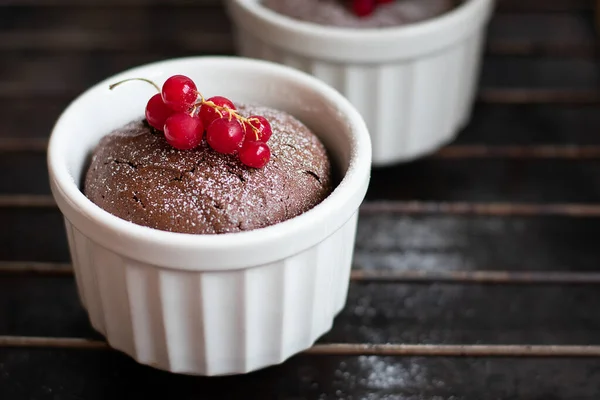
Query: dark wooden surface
[(491, 242)]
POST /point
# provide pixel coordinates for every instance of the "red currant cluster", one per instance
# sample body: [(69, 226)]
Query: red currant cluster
[(362, 8), (183, 115)]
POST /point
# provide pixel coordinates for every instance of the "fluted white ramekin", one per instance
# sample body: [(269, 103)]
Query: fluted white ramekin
[(212, 304), (414, 85)]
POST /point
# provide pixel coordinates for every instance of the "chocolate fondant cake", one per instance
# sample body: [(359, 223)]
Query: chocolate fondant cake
[(339, 12), (135, 175)]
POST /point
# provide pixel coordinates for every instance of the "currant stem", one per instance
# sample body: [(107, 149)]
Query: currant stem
[(111, 87), (230, 112)]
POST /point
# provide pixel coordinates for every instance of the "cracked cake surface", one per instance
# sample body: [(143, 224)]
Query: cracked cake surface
[(136, 175)]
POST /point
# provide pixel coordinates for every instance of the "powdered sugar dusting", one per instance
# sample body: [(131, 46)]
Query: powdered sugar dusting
[(137, 176), (338, 12), (387, 373)]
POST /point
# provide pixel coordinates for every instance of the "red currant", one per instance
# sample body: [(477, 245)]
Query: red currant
[(262, 129), (208, 114), (255, 154), (363, 8), (157, 112), (225, 135), (179, 93), (183, 131)]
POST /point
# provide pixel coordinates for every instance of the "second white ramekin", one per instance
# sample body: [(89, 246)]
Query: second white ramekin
[(212, 304), (414, 85)]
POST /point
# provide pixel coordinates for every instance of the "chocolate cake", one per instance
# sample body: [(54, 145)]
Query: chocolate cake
[(339, 13), (135, 175)]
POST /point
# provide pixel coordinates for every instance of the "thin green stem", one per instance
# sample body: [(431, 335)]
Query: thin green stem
[(111, 87)]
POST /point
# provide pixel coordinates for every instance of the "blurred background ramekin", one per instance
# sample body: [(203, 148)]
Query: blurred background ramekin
[(414, 84)]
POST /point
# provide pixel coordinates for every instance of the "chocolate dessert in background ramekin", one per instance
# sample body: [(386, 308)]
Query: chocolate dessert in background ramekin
[(340, 13), (410, 68), (136, 175)]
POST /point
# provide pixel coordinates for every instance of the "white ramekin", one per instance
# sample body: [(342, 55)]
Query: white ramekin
[(414, 85), (212, 304)]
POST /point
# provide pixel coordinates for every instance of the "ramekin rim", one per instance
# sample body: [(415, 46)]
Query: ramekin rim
[(297, 26), (358, 169)]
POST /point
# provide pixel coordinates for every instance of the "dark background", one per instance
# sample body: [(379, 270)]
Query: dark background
[(492, 241)]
